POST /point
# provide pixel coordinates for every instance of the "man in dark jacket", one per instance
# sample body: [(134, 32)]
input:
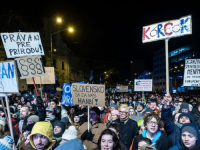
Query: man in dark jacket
[(128, 127), (152, 124)]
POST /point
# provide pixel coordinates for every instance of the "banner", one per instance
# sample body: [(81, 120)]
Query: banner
[(49, 78), (30, 66), (167, 29), (8, 77), (192, 72), (88, 94), (67, 94), (143, 85), (121, 88), (22, 44)]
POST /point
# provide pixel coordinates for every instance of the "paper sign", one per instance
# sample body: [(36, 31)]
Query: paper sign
[(67, 94), (30, 66), (22, 44), (88, 94), (167, 29), (49, 78), (121, 88), (8, 77), (143, 85), (192, 72)]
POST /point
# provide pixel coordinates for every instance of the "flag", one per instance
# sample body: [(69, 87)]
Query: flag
[(144, 75)]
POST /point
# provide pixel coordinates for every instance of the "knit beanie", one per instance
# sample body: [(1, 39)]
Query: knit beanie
[(115, 112), (186, 115), (65, 120), (60, 124), (189, 130), (33, 118), (184, 106), (29, 127), (95, 109), (113, 105), (74, 144), (3, 121), (70, 133), (6, 143), (50, 109)]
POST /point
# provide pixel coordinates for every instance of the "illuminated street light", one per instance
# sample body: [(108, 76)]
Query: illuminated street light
[(59, 20), (182, 65), (71, 30), (175, 67)]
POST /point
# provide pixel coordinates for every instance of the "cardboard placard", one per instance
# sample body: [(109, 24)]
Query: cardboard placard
[(67, 94), (143, 85), (30, 66), (22, 44), (88, 94), (192, 73), (49, 78), (167, 29), (121, 88), (8, 77)]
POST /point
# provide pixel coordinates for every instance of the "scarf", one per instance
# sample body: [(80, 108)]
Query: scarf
[(179, 125), (156, 138)]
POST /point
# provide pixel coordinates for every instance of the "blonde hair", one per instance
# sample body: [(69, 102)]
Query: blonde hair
[(2, 130)]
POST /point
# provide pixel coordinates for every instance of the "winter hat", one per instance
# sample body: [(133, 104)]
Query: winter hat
[(33, 118), (65, 120), (95, 109), (75, 108), (50, 109), (3, 121), (29, 127), (184, 106), (113, 105), (177, 107), (74, 144), (70, 133), (60, 124), (186, 115), (6, 143), (115, 112)]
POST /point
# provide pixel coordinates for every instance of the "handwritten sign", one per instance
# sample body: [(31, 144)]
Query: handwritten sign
[(88, 94), (143, 85), (192, 72), (49, 78), (8, 77), (67, 94), (167, 29), (31, 66), (22, 44)]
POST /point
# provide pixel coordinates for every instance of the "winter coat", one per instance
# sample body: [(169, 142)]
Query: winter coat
[(45, 129), (137, 116), (163, 143), (128, 131), (76, 125), (172, 129), (96, 129)]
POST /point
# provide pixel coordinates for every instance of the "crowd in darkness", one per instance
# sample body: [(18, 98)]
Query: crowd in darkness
[(126, 122)]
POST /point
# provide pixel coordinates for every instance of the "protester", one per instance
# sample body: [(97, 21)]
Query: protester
[(138, 114), (50, 117), (58, 130), (57, 109), (114, 117), (6, 143), (76, 122), (144, 141)]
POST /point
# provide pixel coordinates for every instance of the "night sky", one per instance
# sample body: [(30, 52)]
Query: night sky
[(112, 32)]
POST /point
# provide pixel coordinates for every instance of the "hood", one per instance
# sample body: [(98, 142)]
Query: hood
[(44, 128)]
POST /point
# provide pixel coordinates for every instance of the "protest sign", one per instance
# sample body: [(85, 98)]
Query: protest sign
[(88, 94), (49, 78), (192, 72), (8, 77), (22, 44), (121, 88), (30, 66), (167, 29), (143, 85), (67, 94)]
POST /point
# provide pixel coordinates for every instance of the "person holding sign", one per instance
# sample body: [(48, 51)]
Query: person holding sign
[(90, 137)]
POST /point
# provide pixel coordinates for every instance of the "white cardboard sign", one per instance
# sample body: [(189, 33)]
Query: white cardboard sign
[(49, 78), (8, 77), (143, 85), (22, 44), (31, 66), (192, 72)]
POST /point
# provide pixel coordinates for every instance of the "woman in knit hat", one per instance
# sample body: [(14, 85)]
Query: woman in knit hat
[(76, 122), (6, 143), (114, 117), (58, 130)]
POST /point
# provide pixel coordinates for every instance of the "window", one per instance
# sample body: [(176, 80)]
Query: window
[(63, 65)]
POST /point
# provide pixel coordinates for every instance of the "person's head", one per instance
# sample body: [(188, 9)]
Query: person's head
[(73, 110), (2, 130), (144, 141), (32, 119), (69, 134), (54, 103), (184, 107), (114, 114), (19, 106), (140, 107), (176, 103), (176, 116), (131, 111), (115, 128), (112, 101), (76, 118), (152, 122), (123, 112), (190, 107), (27, 130), (185, 118), (49, 111), (34, 101), (177, 108), (24, 111), (94, 114), (41, 135), (153, 105), (113, 107), (2, 114), (58, 127), (108, 140), (190, 135)]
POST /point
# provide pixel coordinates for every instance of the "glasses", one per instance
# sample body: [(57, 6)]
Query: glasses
[(151, 123), (122, 112)]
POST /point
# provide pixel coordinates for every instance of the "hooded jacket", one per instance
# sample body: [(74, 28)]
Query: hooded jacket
[(44, 128)]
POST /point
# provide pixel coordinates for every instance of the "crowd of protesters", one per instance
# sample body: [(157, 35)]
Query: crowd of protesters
[(128, 122)]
